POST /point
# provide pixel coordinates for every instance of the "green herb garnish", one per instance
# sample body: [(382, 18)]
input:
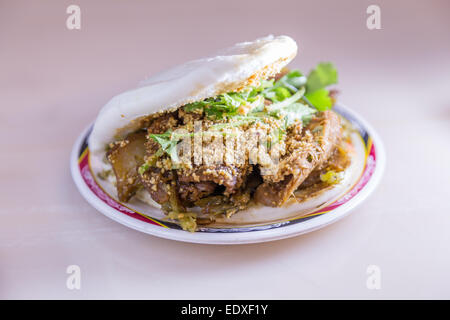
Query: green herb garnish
[(294, 97), (168, 143), (323, 75)]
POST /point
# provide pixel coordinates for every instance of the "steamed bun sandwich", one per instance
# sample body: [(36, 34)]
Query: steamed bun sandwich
[(218, 136)]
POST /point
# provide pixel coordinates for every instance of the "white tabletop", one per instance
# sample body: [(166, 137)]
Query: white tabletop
[(53, 81)]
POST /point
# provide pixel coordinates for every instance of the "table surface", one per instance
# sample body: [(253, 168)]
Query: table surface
[(53, 81)]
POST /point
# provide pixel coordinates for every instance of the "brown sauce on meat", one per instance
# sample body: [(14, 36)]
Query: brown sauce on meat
[(311, 152)]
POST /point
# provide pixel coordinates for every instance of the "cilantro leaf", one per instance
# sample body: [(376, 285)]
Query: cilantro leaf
[(168, 145), (190, 107), (320, 99), (323, 75), (219, 107)]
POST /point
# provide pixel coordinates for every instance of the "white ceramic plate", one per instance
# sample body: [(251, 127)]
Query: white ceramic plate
[(250, 226)]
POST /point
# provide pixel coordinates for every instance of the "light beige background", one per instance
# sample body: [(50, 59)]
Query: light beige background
[(54, 81)]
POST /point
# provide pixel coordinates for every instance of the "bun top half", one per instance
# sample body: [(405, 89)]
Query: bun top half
[(232, 69)]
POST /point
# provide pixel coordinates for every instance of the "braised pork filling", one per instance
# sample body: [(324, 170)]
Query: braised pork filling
[(262, 145)]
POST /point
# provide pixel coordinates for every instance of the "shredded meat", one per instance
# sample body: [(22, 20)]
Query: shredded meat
[(162, 188), (193, 191), (157, 184), (338, 161), (221, 204), (225, 189), (308, 149), (163, 123), (231, 177)]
